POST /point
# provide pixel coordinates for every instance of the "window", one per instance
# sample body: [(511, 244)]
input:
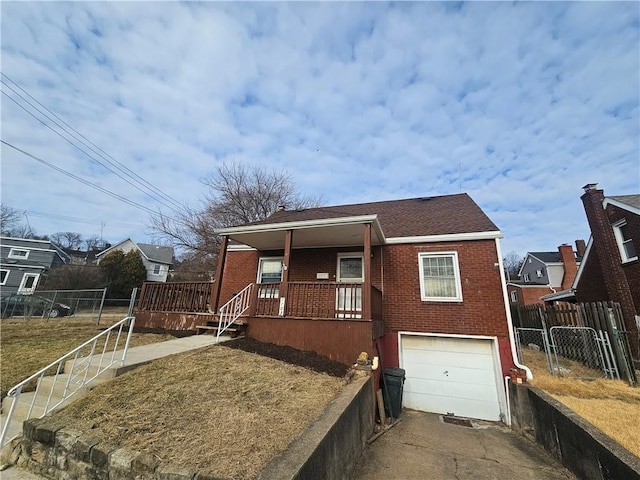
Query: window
[(157, 269), (527, 278), (4, 275), (29, 283), (625, 242), (269, 272), (539, 273), (514, 296), (18, 253), (440, 277)]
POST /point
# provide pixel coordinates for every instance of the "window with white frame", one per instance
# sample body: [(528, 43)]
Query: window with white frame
[(527, 278), (440, 277), (4, 276), (269, 272), (625, 242), (157, 269), (539, 273), (514, 296), (19, 253)]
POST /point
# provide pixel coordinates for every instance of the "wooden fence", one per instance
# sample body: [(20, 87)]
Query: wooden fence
[(600, 316), (192, 297)]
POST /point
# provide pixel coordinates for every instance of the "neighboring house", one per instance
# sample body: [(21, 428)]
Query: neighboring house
[(544, 273), (157, 259), (610, 270), (417, 282), (23, 261)]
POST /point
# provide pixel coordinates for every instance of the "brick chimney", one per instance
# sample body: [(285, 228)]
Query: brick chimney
[(569, 265), (608, 254), (581, 247)]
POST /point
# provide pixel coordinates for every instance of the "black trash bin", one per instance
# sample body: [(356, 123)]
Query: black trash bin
[(393, 383)]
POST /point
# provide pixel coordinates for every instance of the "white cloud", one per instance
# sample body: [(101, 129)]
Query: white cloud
[(520, 105)]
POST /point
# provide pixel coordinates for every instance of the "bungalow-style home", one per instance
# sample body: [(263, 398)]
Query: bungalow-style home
[(610, 269), (544, 273), (417, 282), (157, 259), (23, 261)]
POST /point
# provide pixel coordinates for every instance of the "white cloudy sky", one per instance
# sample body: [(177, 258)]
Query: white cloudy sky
[(518, 105)]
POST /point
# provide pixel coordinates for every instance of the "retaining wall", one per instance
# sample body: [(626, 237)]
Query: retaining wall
[(578, 445), (328, 449)]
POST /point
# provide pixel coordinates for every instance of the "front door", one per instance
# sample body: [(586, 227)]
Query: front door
[(349, 296), (29, 283)]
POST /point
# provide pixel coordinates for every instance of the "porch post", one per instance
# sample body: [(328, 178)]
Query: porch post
[(217, 285), (284, 285), (366, 286)]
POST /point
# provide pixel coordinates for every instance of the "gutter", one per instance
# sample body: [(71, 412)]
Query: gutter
[(512, 339)]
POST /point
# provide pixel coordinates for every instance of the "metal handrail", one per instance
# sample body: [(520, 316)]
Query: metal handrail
[(233, 309), (78, 376)]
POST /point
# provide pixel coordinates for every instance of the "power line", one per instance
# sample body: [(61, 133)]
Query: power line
[(152, 191), (88, 221), (83, 151), (82, 180)]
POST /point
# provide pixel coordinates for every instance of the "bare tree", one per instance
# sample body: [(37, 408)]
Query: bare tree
[(67, 239), (9, 219), (92, 242), (236, 194), (512, 262)]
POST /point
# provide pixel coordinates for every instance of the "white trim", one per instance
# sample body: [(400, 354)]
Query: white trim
[(239, 248), (583, 264), (497, 363), (552, 297), (530, 285), (449, 237), (22, 289), (511, 296), (619, 204), (18, 257), (456, 274), (507, 309), (274, 227), (25, 239), (18, 265), (620, 241), (113, 248), (153, 270), (6, 277)]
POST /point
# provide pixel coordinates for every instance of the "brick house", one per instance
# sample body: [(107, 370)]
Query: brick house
[(417, 282), (545, 273), (610, 270)]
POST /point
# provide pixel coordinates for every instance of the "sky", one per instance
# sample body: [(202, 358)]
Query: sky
[(519, 105)]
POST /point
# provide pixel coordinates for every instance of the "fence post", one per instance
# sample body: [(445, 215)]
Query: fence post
[(53, 302), (132, 301), (104, 294)]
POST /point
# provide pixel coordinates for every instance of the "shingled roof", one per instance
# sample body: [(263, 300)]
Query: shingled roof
[(424, 216)]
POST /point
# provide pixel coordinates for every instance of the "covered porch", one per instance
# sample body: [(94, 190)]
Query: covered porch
[(295, 282)]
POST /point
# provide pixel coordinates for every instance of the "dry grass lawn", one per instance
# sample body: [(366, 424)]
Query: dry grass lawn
[(27, 345), (215, 410), (611, 405)]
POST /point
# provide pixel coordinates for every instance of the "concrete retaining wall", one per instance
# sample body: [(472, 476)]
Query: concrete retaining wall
[(581, 447), (328, 449)]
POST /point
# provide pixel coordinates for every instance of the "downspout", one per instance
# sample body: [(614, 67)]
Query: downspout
[(507, 310)]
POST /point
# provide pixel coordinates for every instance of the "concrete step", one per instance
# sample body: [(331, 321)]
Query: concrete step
[(59, 384), (23, 405)]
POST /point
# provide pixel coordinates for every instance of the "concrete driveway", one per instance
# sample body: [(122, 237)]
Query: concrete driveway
[(422, 446)]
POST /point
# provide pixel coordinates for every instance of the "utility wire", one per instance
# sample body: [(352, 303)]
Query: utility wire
[(155, 194), (83, 151), (88, 221), (80, 179)]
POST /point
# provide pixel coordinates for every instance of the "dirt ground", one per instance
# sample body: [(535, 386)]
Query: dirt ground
[(306, 359)]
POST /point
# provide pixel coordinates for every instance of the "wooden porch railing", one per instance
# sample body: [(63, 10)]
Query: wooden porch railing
[(316, 300), (192, 297)]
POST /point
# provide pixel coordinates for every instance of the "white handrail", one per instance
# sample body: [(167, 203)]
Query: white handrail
[(78, 376), (233, 309)]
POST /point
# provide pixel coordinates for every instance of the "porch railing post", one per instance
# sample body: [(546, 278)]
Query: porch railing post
[(217, 285), (366, 287), (284, 284)]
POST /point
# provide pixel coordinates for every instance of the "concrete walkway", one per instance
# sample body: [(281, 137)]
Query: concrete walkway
[(421, 446), (136, 356)]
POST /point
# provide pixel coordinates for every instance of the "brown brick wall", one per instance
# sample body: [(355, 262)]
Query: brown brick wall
[(395, 271), (528, 295), (614, 275), (631, 269)]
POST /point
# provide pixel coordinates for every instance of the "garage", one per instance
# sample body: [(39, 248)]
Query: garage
[(456, 375)]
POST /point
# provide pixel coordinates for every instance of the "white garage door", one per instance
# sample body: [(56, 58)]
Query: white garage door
[(450, 375)]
